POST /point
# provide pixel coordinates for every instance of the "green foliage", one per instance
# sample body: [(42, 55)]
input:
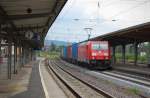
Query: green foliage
[(49, 55), (130, 57), (134, 90), (142, 48), (53, 55), (142, 59), (147, 48), (118, 56), (52, 47), (53, 52)]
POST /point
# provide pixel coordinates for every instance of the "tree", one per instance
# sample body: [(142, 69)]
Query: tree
[(52, 47)]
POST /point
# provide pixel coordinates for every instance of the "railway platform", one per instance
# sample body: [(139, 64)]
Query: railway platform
[(140, 70), (52, 90), (25, 84), (28, 83)]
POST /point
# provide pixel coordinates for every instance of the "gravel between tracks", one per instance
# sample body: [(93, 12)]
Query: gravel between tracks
[(83, 90), (115, 90)]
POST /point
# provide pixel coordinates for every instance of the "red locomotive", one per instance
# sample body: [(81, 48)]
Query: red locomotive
[(95, 53)]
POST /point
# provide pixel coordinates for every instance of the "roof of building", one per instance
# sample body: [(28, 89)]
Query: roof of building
[(21, 16), (139, 33)]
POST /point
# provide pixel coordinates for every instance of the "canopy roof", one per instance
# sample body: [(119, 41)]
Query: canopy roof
[(139, 33), (17, 17)]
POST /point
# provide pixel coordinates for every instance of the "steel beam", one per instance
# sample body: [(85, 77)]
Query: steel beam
[(6, 17), (25, 28), (29, 16), (6, 44)]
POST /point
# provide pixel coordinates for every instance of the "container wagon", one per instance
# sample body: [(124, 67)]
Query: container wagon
[(69, 53), (74, 52), (64, 52)]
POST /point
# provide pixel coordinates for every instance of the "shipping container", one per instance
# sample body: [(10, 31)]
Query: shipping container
[(64, 52), (74, 51), (69, 52), (83, 52)]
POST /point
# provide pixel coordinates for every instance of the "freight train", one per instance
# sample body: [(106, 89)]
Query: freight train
[(94, 54)]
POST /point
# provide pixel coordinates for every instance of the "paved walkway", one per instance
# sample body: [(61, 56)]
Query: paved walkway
[(35, 89), (32, 81), (25, 84)]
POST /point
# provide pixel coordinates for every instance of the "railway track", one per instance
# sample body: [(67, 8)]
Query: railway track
[(78, 87), (129, 77), (139, 83), (96, 85)]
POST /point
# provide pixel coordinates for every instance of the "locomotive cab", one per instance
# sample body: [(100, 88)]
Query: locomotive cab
[(99, 54)]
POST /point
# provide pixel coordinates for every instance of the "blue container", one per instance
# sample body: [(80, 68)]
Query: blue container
[(74, 51), (65, 52)]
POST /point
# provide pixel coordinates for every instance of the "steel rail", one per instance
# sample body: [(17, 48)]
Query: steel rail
[(68, 87), (98, 90)]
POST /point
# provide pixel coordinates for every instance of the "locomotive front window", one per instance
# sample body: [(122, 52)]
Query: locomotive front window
[(99, 46)]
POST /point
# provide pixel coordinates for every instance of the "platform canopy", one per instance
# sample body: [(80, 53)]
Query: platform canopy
[(28, 20), (138, 33)]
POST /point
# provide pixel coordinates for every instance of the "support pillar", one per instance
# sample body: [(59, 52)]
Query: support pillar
[(32, 54), (28, 54), (113, 54), (20, 56), (15, 58), (22, 63), (148, 59), (135, 52), (0, 56), (17, 52), (9, 59), (0, 49), (25, 57), (123, 53)]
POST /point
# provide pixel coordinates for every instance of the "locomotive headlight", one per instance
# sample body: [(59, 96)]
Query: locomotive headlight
[(105, 54), (93, 54)]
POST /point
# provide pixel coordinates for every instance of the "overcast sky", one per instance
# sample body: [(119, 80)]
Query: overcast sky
[(103, 16)]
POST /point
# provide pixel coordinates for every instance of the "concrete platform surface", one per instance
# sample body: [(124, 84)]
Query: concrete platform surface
[(32, 81), (52, 89), (26, 84)]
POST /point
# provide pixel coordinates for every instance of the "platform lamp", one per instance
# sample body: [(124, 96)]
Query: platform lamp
[(88, 31)]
